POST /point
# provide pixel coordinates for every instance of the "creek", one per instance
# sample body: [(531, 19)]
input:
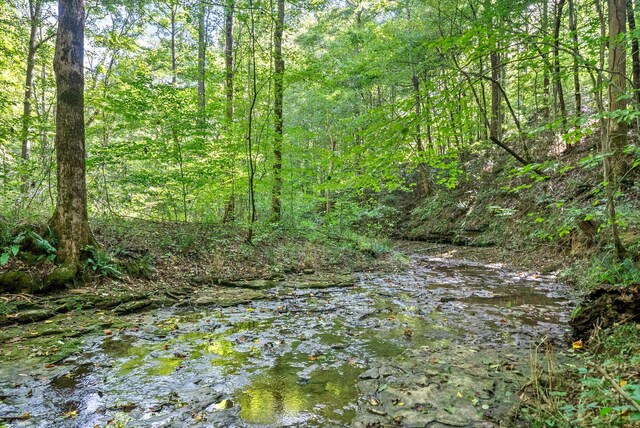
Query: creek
[(443, 343)]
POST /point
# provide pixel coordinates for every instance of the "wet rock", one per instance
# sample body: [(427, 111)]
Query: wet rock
[(373, 373), (321, 281), (367, 421), (31, 316), (254, 284), (387, 371), (136, 305)]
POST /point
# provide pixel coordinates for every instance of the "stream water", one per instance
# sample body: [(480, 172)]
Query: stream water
[(444, 343)]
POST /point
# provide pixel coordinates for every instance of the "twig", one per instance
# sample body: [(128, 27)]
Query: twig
[(615, 385)]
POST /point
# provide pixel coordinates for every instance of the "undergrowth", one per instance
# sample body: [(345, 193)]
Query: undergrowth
[(598, 386)]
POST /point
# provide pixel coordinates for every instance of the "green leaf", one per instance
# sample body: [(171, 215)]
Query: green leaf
[(4, 259), (605, 411)]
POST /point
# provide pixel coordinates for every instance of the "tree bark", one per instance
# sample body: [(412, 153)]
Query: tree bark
[(70, 220), (202, 51), (229, 211), (573, 27), (276, 197), (174, 63), (35, 7), (557, 78), (425, 187), (617, 86), (546, 83), (613, 146), (635, 52), (496, 97)]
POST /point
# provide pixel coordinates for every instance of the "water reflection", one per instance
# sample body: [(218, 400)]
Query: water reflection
[(283, 396)]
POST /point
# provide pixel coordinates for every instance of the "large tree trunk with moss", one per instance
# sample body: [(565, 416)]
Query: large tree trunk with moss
[(70, 220)]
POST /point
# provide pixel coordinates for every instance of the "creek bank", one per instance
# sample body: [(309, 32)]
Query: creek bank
[(223, 292)]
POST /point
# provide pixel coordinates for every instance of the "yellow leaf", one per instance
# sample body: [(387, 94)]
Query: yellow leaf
[(250, 309), (70, 414), (48, 321), (577, 344), (622, 383), (459, 394)]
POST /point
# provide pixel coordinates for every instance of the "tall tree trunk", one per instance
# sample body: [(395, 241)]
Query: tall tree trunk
[(496, 96), (174, 63), (573, 27), (635, 52), (557, 78), (276, 197), (252, 96), (35, 7), (599, 98), (546, 83), (70, 220), (229, 211), (202, 51), (422, 168), (333, 144), (617, 85), (614, 164)]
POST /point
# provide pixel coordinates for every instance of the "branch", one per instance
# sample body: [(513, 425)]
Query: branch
[(619, 390)]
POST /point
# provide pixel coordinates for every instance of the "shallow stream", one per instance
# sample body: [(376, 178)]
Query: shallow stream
[(444, 343)]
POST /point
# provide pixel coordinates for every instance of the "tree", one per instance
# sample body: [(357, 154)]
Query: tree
[(70, 219), (276, 198), (35, 8), (616, 141)]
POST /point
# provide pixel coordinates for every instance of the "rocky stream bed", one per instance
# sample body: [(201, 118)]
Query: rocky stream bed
[(444, 343)]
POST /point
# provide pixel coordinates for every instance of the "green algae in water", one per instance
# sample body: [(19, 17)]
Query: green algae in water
[(164, 366), (280, 394)]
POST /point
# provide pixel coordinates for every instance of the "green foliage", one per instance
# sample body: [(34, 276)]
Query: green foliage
[(607, 270), (101, 263)]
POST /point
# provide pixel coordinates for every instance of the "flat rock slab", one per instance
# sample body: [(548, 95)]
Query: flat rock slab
[(255, 284), (459, 387), (225, 298), (320, 281)]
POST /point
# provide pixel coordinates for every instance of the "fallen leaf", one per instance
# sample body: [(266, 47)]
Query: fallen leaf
[(224, 404), (391, 317), (48, 321), (70, 414), (623, 383), (577, 344), (459, 394), (108, 332)]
